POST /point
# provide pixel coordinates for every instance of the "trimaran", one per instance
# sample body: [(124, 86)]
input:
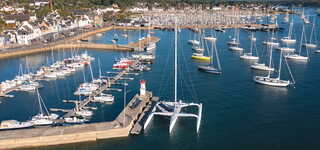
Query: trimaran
[(173, 109)]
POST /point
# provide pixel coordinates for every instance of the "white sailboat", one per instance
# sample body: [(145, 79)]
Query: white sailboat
[(235, 45), (210, 38), (199, 47), (298, 56), (173, 109), (274, 81), (194, 42), (263, 66), (286, 49), (210, 68), (312, 40), (235, 39), (44, 117), (150, 45), (272, 41), (250, 56), (289, 39)]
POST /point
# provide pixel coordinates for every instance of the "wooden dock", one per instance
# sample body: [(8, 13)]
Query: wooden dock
[(86, 101)]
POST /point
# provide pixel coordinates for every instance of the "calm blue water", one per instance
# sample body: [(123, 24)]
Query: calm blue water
[(237, 113)]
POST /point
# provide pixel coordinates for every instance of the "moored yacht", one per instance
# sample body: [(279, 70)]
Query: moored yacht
[(104, 98), (261, 66), (14, 124)]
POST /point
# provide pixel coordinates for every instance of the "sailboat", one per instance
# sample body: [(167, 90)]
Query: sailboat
[(273, 81), (199, 47), (272, 41), (299, 56), (173, 109), (250, 56), (286, 18), (209, 68), (311, 43), (44, 117), (263, 66), (150, 45), (210, 38), (194, 42), (252, 37), (199, 54), (235, 42), (289, 39)]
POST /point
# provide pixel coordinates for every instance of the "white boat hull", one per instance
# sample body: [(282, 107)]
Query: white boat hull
[(271, 81), (288, 41), (297, 57), (309, 45), (212, 39), (234, 48), (249, 57), (194, 42), (271, 43), (286, 49), (261, 67)]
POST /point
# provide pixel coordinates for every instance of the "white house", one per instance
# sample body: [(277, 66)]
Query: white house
[(138, 9), (39, 3), (216, 8), (7, 9), (84, 21), (2, 41), (108, 9), (27, 32)]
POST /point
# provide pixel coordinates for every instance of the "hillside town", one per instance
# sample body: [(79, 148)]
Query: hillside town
[(20, 26)]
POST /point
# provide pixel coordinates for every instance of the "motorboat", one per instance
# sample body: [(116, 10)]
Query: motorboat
[(75, 120), (84, 113), (104, 98)]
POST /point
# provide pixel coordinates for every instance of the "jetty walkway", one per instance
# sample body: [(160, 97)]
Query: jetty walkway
[(45, 136)]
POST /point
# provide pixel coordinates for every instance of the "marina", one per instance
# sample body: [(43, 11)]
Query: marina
[(241, 76)]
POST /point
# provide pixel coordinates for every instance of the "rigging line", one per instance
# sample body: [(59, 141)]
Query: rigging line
[(293, 81), (165, 78), (189, 77)]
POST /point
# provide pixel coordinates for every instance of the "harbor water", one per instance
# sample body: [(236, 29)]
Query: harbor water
[(237, 112)]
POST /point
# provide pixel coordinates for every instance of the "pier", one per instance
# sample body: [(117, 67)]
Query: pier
[(141, 44), (83, 103), (45, 136)]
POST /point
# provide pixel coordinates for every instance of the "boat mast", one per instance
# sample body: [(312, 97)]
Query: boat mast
[(312, 30), (290, 29), (91, 72), (211, 58), (251, 47), (100, 74), (280, 65), (270, 58), (175, 60), (40, 107), (302, 34), (217, 55), (124, 102)]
